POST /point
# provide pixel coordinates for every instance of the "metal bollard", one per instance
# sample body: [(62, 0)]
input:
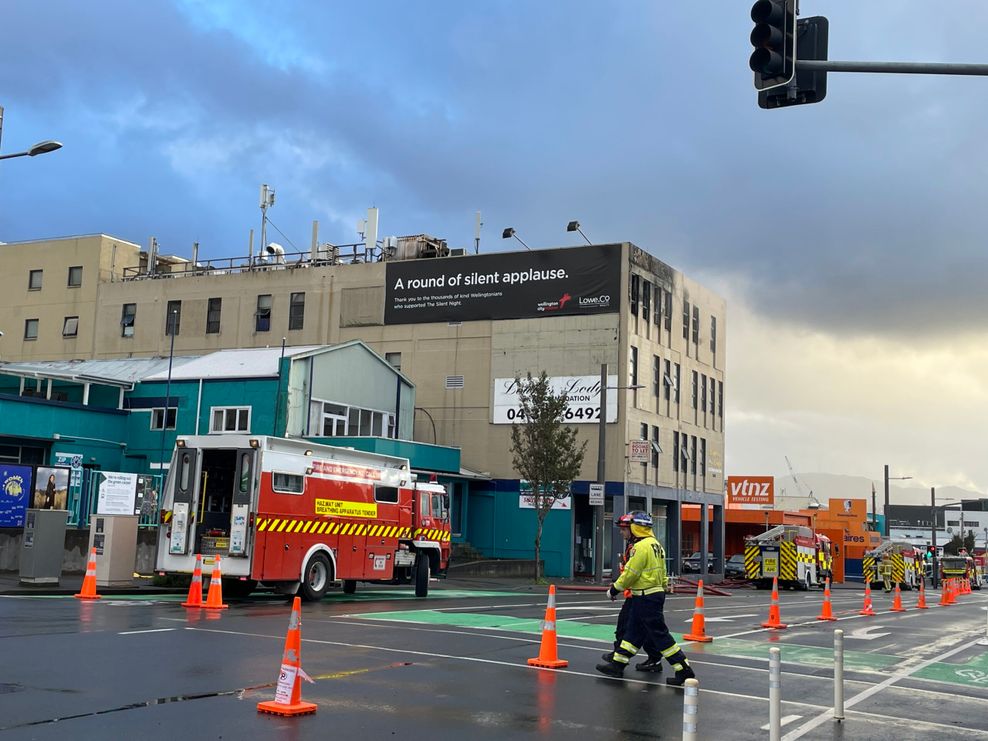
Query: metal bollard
[(838, 675), (691, 710), (774, 694)]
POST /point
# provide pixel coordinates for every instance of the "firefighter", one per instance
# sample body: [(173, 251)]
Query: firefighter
[(653, 662), (645, 576), (886, 567)]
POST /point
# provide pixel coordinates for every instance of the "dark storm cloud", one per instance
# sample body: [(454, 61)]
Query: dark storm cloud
[(861, 215)]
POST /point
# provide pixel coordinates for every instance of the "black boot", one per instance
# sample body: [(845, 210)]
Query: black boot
[(611, 669), (681, 676), (609, 656), (650, 665)]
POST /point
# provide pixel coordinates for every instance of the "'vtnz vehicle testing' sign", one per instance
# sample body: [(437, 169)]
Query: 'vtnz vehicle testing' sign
[(583, 399), (507, 285)]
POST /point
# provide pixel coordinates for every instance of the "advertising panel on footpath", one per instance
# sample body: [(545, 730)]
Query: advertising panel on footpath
[(506, 285), (117, 493), (51, 488), (15, 494), (582, 403), (751, 492)]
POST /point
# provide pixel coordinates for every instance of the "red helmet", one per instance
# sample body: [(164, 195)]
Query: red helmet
[(625, 520)]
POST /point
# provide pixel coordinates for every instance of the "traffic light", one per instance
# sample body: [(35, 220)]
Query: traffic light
[(808, 87), (774, 37)]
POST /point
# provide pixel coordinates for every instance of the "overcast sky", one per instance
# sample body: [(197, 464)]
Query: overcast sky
[(847, 236)]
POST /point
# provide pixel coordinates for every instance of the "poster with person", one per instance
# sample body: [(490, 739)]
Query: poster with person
[(51, 487), (15, 494)]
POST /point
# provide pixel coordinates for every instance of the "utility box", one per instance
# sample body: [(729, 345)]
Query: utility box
[(43, 546), (115, 539)]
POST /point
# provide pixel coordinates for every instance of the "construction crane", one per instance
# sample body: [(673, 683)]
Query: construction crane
[(802, 488)]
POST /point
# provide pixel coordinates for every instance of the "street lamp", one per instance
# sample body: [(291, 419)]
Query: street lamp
[(574, 226), (887, 479), (509, 233), (598, 512), (933, 540), (40, 148)]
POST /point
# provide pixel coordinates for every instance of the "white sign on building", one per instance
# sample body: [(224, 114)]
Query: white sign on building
[(583, 406)]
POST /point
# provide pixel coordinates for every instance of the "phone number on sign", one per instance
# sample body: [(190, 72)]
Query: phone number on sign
[(572, 414)]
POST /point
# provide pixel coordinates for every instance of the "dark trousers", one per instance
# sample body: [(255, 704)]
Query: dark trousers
[(646, 622), (622, 628)]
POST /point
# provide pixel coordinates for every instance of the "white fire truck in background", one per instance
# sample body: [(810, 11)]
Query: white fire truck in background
[(298, 516)]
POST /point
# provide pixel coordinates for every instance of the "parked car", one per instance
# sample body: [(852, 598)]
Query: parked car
[(691, 565), (734, 568)]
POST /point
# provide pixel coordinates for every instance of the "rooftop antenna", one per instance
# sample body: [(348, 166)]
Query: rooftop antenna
[(476, 234), (267, 201)]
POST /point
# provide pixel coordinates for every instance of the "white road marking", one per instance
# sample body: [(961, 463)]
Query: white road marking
[(786, 719), (138, 632), (865, 634), (726, 618)]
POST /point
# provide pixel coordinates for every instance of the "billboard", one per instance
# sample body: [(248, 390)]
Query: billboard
[(582, 403), (751, 490), (507, 285), (15, 494), (51, 487)]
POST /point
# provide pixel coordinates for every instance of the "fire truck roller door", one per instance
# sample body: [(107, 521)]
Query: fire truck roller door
[(789, 563)]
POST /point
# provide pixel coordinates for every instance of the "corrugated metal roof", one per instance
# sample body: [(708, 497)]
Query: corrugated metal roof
[(117, 372), (245, 363)]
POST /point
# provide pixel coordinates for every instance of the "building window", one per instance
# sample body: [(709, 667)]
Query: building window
[(686, 319), (634, 293), (667, 377), (713, 335), (214, 310), (678, 379), (229, 419), (720, 399), (643, 435), (75, 276), (696, 325), (646, 299), (34, 280), (158, 418), (173, 320), (656, 375), (394, 359), (713, 394), (296, 311), (128, 315), (328, 419), (675, 451), (262, 317), (70, 327), (668, 311), (657, 316), (655, 447), (703, 457), (634, 365), (693, 393), (31, 329), (692, 455), (703, 393)]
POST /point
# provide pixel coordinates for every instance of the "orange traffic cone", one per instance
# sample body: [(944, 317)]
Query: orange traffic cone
[(214, 600), (288, 695), (945, 593), (897, 600), (921, 603), (952, 592), (774, 619), (699, 625), (548, 658), (867, 609), (827, 612), (195, 588), (965, 586), (89, 583)]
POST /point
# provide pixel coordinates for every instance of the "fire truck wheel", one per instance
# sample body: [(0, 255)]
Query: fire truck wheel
[(422, 574), (349, 586), (318, 574)]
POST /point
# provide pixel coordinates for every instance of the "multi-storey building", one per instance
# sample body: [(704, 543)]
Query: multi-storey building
[(461, 327)]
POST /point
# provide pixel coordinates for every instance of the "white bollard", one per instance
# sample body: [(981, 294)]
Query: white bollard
[(774, 694), (838, 675), (691, 710), (984, 641)]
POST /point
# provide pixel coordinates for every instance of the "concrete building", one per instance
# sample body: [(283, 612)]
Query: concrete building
[(461, 328)]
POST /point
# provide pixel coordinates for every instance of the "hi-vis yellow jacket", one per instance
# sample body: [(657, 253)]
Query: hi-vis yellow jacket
[(646, 568)]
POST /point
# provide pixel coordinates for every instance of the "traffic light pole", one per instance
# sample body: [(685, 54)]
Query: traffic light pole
[(907, 68)]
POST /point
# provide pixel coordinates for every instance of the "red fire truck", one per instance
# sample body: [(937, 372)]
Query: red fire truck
[(299, 516)]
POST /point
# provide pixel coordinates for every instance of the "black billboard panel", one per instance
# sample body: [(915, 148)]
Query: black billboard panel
[(506, 285)]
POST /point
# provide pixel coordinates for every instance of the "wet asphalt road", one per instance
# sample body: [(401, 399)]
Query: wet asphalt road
[(453, 665)]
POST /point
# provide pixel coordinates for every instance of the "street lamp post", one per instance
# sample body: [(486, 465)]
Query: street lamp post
[(887, 479), (934, 508)]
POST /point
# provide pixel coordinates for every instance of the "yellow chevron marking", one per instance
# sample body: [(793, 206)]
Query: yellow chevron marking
[(261, 524), (277, 526), (307, 526), (322, 527)]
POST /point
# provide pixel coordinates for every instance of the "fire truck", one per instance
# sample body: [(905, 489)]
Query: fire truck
[(298, 516), (799, 557), (894, 562), (963, 566)]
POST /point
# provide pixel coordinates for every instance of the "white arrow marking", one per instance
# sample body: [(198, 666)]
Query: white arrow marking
[(786, 719), (726, 618), (865, 634)]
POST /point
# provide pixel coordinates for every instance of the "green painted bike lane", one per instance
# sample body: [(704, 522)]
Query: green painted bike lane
[(973, 673)]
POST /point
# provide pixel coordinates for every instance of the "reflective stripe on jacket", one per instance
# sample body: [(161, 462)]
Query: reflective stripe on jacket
[(646, 567)]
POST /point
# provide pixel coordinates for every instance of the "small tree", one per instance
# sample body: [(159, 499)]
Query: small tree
[(955, 544), (544, 451), (969, 542)]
